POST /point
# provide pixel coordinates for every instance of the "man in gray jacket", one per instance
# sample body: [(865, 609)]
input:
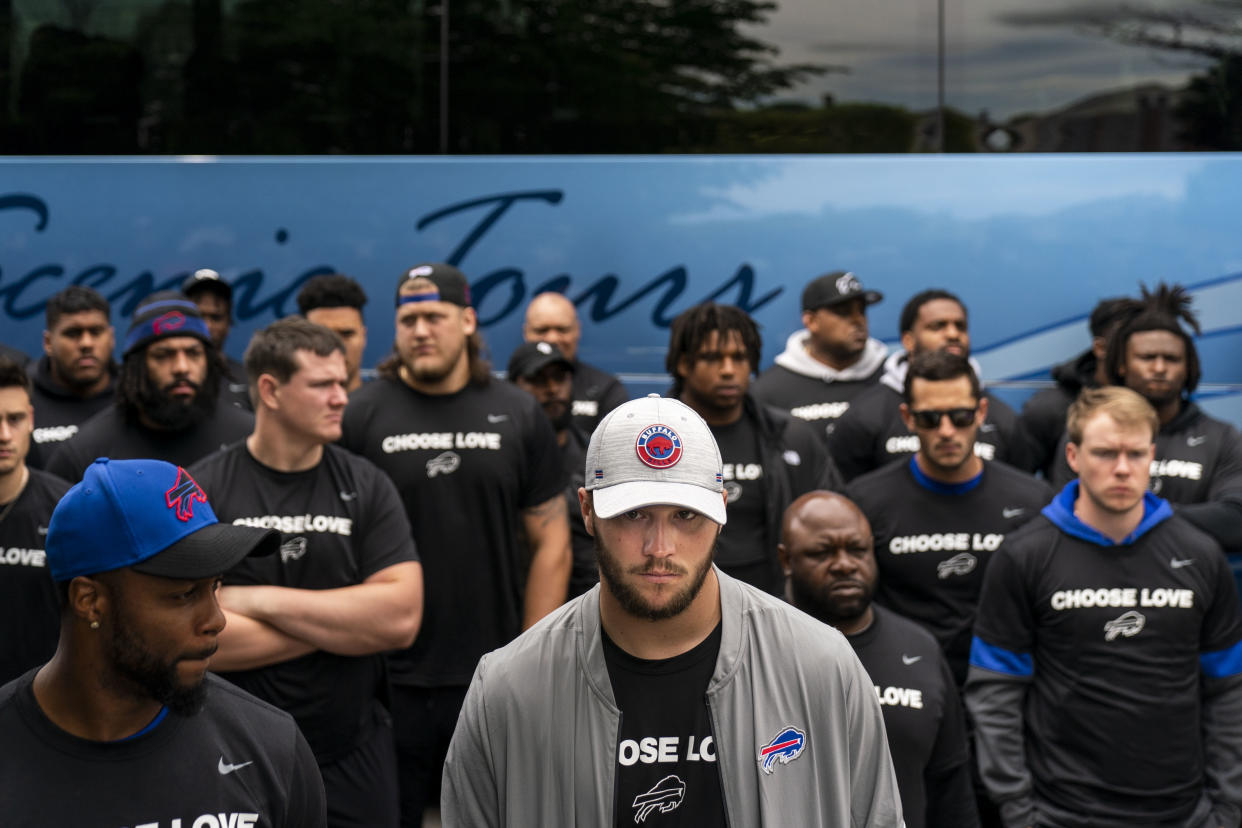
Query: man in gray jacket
[(671, 694)]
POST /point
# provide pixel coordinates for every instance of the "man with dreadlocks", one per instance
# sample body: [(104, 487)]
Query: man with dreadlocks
[(168, 404), (1198, 464), (770, 457)]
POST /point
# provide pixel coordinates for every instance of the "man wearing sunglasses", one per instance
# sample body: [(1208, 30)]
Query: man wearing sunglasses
[(939, 516)]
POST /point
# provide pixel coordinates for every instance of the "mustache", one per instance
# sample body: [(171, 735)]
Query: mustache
[(655, 568), (170, 386)]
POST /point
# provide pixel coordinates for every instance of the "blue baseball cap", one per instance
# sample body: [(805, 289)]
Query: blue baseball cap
[(150, 516)]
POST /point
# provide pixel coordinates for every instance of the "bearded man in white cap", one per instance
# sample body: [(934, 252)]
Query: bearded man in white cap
[(671, 693)]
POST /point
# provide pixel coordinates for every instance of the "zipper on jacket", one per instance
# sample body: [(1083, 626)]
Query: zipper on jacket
[(724, 798), (616, 777)]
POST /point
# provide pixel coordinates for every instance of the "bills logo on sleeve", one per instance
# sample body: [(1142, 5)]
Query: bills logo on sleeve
[(658, 446), (786, 747)]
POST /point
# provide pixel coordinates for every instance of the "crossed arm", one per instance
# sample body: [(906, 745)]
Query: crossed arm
[(271, 624)]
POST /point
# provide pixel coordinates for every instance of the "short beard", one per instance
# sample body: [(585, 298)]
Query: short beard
[(818, 604), (631, 601), (148, 675)]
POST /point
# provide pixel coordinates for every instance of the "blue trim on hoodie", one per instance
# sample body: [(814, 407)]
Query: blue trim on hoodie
[(1222, 663), (999, 660), (1061, 512), (942, 488)]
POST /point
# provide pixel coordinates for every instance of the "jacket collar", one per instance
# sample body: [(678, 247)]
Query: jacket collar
[(1061, 512)]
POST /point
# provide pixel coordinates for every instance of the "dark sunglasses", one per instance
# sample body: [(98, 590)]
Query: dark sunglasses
[(930, 417)]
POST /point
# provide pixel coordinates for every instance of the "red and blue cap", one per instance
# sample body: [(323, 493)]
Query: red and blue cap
[(150, 516)]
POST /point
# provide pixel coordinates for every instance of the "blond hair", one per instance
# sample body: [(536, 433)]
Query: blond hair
[(1126, 407)]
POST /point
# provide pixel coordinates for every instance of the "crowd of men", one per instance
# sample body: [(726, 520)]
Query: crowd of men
[(855, 588)]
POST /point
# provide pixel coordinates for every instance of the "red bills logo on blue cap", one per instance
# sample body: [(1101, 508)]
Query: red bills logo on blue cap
[(658, 446), (171, 321), (180, 498)]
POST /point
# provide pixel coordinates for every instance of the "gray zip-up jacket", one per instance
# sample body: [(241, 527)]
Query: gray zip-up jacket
[(536, 743)]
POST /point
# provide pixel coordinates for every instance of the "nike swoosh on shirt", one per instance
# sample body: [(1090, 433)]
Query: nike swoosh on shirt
[(1008, 513), (1178, 563), (497, 418), (225, 768), (908, 660), (348, 496), (1196, 441)]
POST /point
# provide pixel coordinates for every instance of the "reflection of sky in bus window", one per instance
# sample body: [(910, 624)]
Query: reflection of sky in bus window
[(1005, 56)]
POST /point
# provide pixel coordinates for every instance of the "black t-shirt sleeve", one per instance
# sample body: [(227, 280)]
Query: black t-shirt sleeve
[(306, 805), (544, 477), (386, 536), (851, 442), (1006, 615), (1222, 624)]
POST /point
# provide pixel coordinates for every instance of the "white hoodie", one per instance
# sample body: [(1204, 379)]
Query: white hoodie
[(795, 358)]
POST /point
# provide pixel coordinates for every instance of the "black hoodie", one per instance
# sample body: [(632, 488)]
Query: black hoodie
[(1043, 416), (58, 411)]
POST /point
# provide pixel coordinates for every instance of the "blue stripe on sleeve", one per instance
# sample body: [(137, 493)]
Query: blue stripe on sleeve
[(999, 660), (1219, 663)]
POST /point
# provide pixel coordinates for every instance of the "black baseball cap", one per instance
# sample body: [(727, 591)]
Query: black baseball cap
[(532, 357), (207, 279), (834, 288), (450, 284)]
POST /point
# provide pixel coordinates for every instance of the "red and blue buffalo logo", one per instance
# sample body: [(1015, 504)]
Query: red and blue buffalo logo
[(787, 746), (171, 321), (658, 446), (180, 498)]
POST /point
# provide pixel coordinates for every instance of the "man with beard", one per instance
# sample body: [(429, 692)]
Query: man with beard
[(830, 572), (550, 317), (672, 691), (1106, 671), (124, 726), (1043, 415), (1198, 463), (30, 611), (541, 370), (307, 628), (940, 516), (770, 457), (832, 359), (472, 459), (167, 399), (873, 434), (214, 298), (73, 381)]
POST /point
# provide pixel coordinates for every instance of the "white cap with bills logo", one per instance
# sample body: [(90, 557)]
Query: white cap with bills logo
[(655, 451)]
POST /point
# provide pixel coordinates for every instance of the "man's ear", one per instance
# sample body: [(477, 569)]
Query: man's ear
[(782, 555), (89, 599), (586, 504), (469, 320), (266, 389), (981, 415), (907, 342), (1071, 455), (906, 418)]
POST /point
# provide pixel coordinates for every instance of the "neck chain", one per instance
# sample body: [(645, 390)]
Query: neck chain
[(4, 513)]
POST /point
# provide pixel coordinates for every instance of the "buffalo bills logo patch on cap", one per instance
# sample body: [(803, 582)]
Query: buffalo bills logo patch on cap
[(180, 498), (658, 446), (171, 321), (786, 747)]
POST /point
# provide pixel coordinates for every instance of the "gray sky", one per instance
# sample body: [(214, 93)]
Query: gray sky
[(1008, 56)]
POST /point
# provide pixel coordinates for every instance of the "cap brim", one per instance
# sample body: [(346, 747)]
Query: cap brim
[(533, 368), (869, 297), (614, 500), (212, 550)]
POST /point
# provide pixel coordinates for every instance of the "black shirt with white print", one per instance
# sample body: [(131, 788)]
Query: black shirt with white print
[(666, 754), (237, 763), (58, 412), (923, 718), (27, 591), (465, 465), (933, 541), (743, 540), (107, 434), (595, 392), (340, 523), (1127, 652)]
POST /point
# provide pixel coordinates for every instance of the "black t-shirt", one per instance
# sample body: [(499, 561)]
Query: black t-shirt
[(466, 465), (234, 389), (595, 393), (340, 523), (27, 592), (666, 756), (1112, 638), (107, 434), (585, 572), (58, 414), (933, 542), (811, 399), (924, 720), (238, 763), (744, 538), (872, 434)]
